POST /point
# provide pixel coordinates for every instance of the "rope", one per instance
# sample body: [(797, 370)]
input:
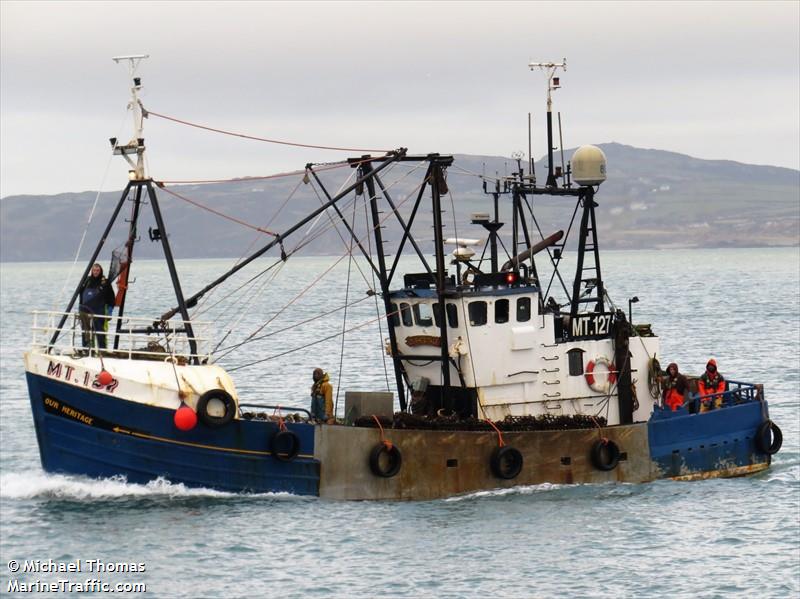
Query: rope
[(221, 214), (384, 440), (500, 441), (253, 137), (599, 430)]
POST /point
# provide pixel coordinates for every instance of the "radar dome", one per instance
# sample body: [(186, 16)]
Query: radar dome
[(588, 166)]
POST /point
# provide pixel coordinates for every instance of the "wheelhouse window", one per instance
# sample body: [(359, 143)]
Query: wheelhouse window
[(575, 356), (477, 313), (523, 309), (437, 314), (452, 315), (501, 311), (422, 315), (394, 317), (405, 314)]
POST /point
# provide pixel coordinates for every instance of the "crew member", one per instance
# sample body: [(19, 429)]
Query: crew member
[(96, 304), (321, 397), (709, 383), (675, 385)]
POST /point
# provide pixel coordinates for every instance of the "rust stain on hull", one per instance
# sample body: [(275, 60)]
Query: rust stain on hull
[(444, 463), (723, 472)]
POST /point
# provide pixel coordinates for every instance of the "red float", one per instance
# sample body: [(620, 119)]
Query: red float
[(105, 378), (185, 418)]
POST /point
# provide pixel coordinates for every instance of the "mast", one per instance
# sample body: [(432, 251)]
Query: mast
[(553, 83), (438, 186), (132, 232), (136, 144)]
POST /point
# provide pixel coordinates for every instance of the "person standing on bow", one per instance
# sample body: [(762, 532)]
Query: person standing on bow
[(675, 385), (710, 382), (321, 397), (96, 304)]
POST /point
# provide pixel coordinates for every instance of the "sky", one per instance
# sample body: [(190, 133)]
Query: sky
[(715, 80)]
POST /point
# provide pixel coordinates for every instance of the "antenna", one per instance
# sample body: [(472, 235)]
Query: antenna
[(553, 83), (561, 144), (136, 144), (531, 170)]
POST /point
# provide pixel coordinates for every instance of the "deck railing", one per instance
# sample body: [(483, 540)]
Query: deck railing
[(736, 393), (125, 337)]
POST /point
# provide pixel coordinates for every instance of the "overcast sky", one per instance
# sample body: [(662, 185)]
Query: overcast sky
[(716, 80)]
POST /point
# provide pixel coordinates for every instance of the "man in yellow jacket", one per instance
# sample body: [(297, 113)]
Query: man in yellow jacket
[(321, 397)]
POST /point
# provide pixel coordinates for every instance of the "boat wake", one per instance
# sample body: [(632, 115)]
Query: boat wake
[(520, 490), (19, 485), (552, 491)]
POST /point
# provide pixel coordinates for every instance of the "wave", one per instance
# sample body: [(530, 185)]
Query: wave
[(19, 485)]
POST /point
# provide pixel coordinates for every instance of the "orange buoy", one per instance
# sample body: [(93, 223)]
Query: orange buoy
[(185, 418)]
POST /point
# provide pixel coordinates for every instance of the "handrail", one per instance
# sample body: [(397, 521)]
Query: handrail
[(137, 338), (736, 392)]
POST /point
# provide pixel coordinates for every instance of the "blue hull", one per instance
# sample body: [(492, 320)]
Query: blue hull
[(717, 443), (81, 432)]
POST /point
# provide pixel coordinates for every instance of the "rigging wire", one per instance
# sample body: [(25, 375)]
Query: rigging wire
[(252, 336), (463, 306), (256, 237), (344, 317), (472, 174), (295, 325), (68, 278), (246, 299), (220, 214), (307, 345), (326, 167), (253, 137), (292, 301), (377, 307), (336, 228)]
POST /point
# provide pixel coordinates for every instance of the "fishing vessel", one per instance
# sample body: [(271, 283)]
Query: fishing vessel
[(500, 378)]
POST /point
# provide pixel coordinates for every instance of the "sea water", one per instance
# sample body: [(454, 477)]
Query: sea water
[(715, 538)]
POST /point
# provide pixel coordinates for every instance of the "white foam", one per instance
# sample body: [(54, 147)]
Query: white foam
[(519, 490), (18, 485)]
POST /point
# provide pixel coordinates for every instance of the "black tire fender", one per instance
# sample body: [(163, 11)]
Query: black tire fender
[(216, 421), (284, 445), (766, 430), (605, 455), (394, 460), (506, 462)]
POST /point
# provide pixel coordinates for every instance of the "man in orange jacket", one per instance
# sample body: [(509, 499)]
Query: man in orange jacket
[(675, 385), (709, 383)]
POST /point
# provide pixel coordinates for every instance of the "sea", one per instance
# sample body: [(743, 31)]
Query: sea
[(714, 538)]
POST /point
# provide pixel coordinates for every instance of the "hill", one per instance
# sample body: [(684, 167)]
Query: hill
[(652, 199)]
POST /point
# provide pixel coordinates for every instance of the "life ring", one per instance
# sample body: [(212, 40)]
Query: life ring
[(284, 445), (611, 377), (769, 437), (390, 465), (605, 455), (211, 420), (506, 462)]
